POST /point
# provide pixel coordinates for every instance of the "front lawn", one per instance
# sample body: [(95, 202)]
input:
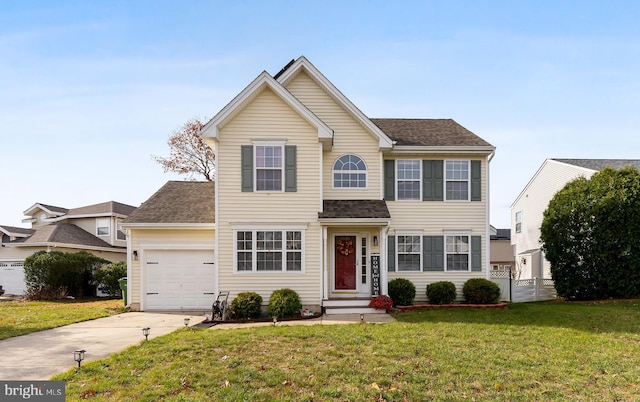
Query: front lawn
[(535, 351), (22, 317)]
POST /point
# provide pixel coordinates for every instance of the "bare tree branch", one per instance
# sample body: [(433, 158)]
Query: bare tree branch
[(189, 153)]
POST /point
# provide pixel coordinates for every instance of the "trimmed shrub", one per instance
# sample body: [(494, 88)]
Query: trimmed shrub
[(246, 305), (481, 291), (109, 275), (443, 292), (402, 291), (284, 303)]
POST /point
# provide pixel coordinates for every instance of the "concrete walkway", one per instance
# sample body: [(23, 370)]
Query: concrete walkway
[(40, 355)]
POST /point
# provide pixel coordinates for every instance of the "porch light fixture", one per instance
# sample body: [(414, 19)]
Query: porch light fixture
[(145, 333), (78, 356), (375, 241), (135, 254), (186, 321)]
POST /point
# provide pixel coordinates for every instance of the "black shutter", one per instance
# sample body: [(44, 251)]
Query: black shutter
[(290, 178), (389, 180), (247, 168), (391, 253), (476, 182), (432, 180), (476, 253), (433, 253)]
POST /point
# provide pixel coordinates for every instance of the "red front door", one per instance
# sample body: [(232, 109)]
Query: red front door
[(345, 263)]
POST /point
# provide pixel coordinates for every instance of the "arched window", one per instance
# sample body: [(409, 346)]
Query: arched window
[(349, 171)]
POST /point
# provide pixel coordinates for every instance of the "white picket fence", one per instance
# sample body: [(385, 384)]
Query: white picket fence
[(523, 290)]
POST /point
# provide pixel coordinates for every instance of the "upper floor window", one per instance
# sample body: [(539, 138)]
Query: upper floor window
[(408, 179), (103, 227), (457, 180), (349, 171), (269, 167), (518, 221)]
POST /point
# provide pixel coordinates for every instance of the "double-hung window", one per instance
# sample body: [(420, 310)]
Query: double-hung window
[(408, 180), (518, 221), (103, 227), (269, 250), (269, 165), (409, 252), (457, 180), (458, 253)]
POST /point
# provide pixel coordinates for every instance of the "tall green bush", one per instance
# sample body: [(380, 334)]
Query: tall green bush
[(58, 274), (284, 303), (589, 234), (109, 275), (402, 291), (246, 305)]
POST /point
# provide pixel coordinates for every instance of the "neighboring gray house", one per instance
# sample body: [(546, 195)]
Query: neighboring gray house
[(93, 228), (528, 208)]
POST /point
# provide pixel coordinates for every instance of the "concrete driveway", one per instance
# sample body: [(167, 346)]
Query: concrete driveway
[(40, 355)]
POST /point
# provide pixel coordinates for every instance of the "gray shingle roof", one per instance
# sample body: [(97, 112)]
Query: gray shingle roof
[(599, 164), (14, 230), (502, 234), (354, 209), (178, 202), (103, 208), (63, 233), (429, 132), (53, 208)]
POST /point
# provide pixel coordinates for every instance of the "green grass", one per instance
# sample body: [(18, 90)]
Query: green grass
[(22, 317), (528, 352)]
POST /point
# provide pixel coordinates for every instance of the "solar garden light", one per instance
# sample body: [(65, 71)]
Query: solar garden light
[(275, 320), (78, 355), (186, 321), (145, 333), (361, 317)]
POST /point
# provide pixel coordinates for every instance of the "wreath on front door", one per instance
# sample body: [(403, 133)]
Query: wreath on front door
[(345, 247)]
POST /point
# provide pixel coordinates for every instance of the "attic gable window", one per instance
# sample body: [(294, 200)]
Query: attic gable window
[(269, 167), (349, 171)]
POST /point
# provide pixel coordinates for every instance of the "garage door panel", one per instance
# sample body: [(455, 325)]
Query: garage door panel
[(179, 279)]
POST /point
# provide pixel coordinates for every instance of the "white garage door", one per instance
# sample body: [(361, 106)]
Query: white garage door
[(12, 277), (179, 279)]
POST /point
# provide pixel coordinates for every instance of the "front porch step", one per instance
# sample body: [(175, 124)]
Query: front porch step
[(349, 306)]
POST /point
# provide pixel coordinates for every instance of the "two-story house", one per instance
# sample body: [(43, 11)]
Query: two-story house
[(92, 228), (313, 195)]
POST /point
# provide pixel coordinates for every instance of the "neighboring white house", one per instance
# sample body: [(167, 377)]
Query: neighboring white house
[(527, 210), (93, 228), (313, 195)]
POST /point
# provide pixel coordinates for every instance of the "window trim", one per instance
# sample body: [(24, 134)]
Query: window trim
[(272, 144), (419, 252), (446, 180), (397, 180), (98, 227), (254, 250), (365, 172), (518, 221), (468, 253)]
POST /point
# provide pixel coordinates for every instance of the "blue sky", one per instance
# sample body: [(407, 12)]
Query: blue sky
[(90, 90)]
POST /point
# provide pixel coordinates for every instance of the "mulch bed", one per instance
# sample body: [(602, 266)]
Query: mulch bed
[(449, 306), (208, 324)]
